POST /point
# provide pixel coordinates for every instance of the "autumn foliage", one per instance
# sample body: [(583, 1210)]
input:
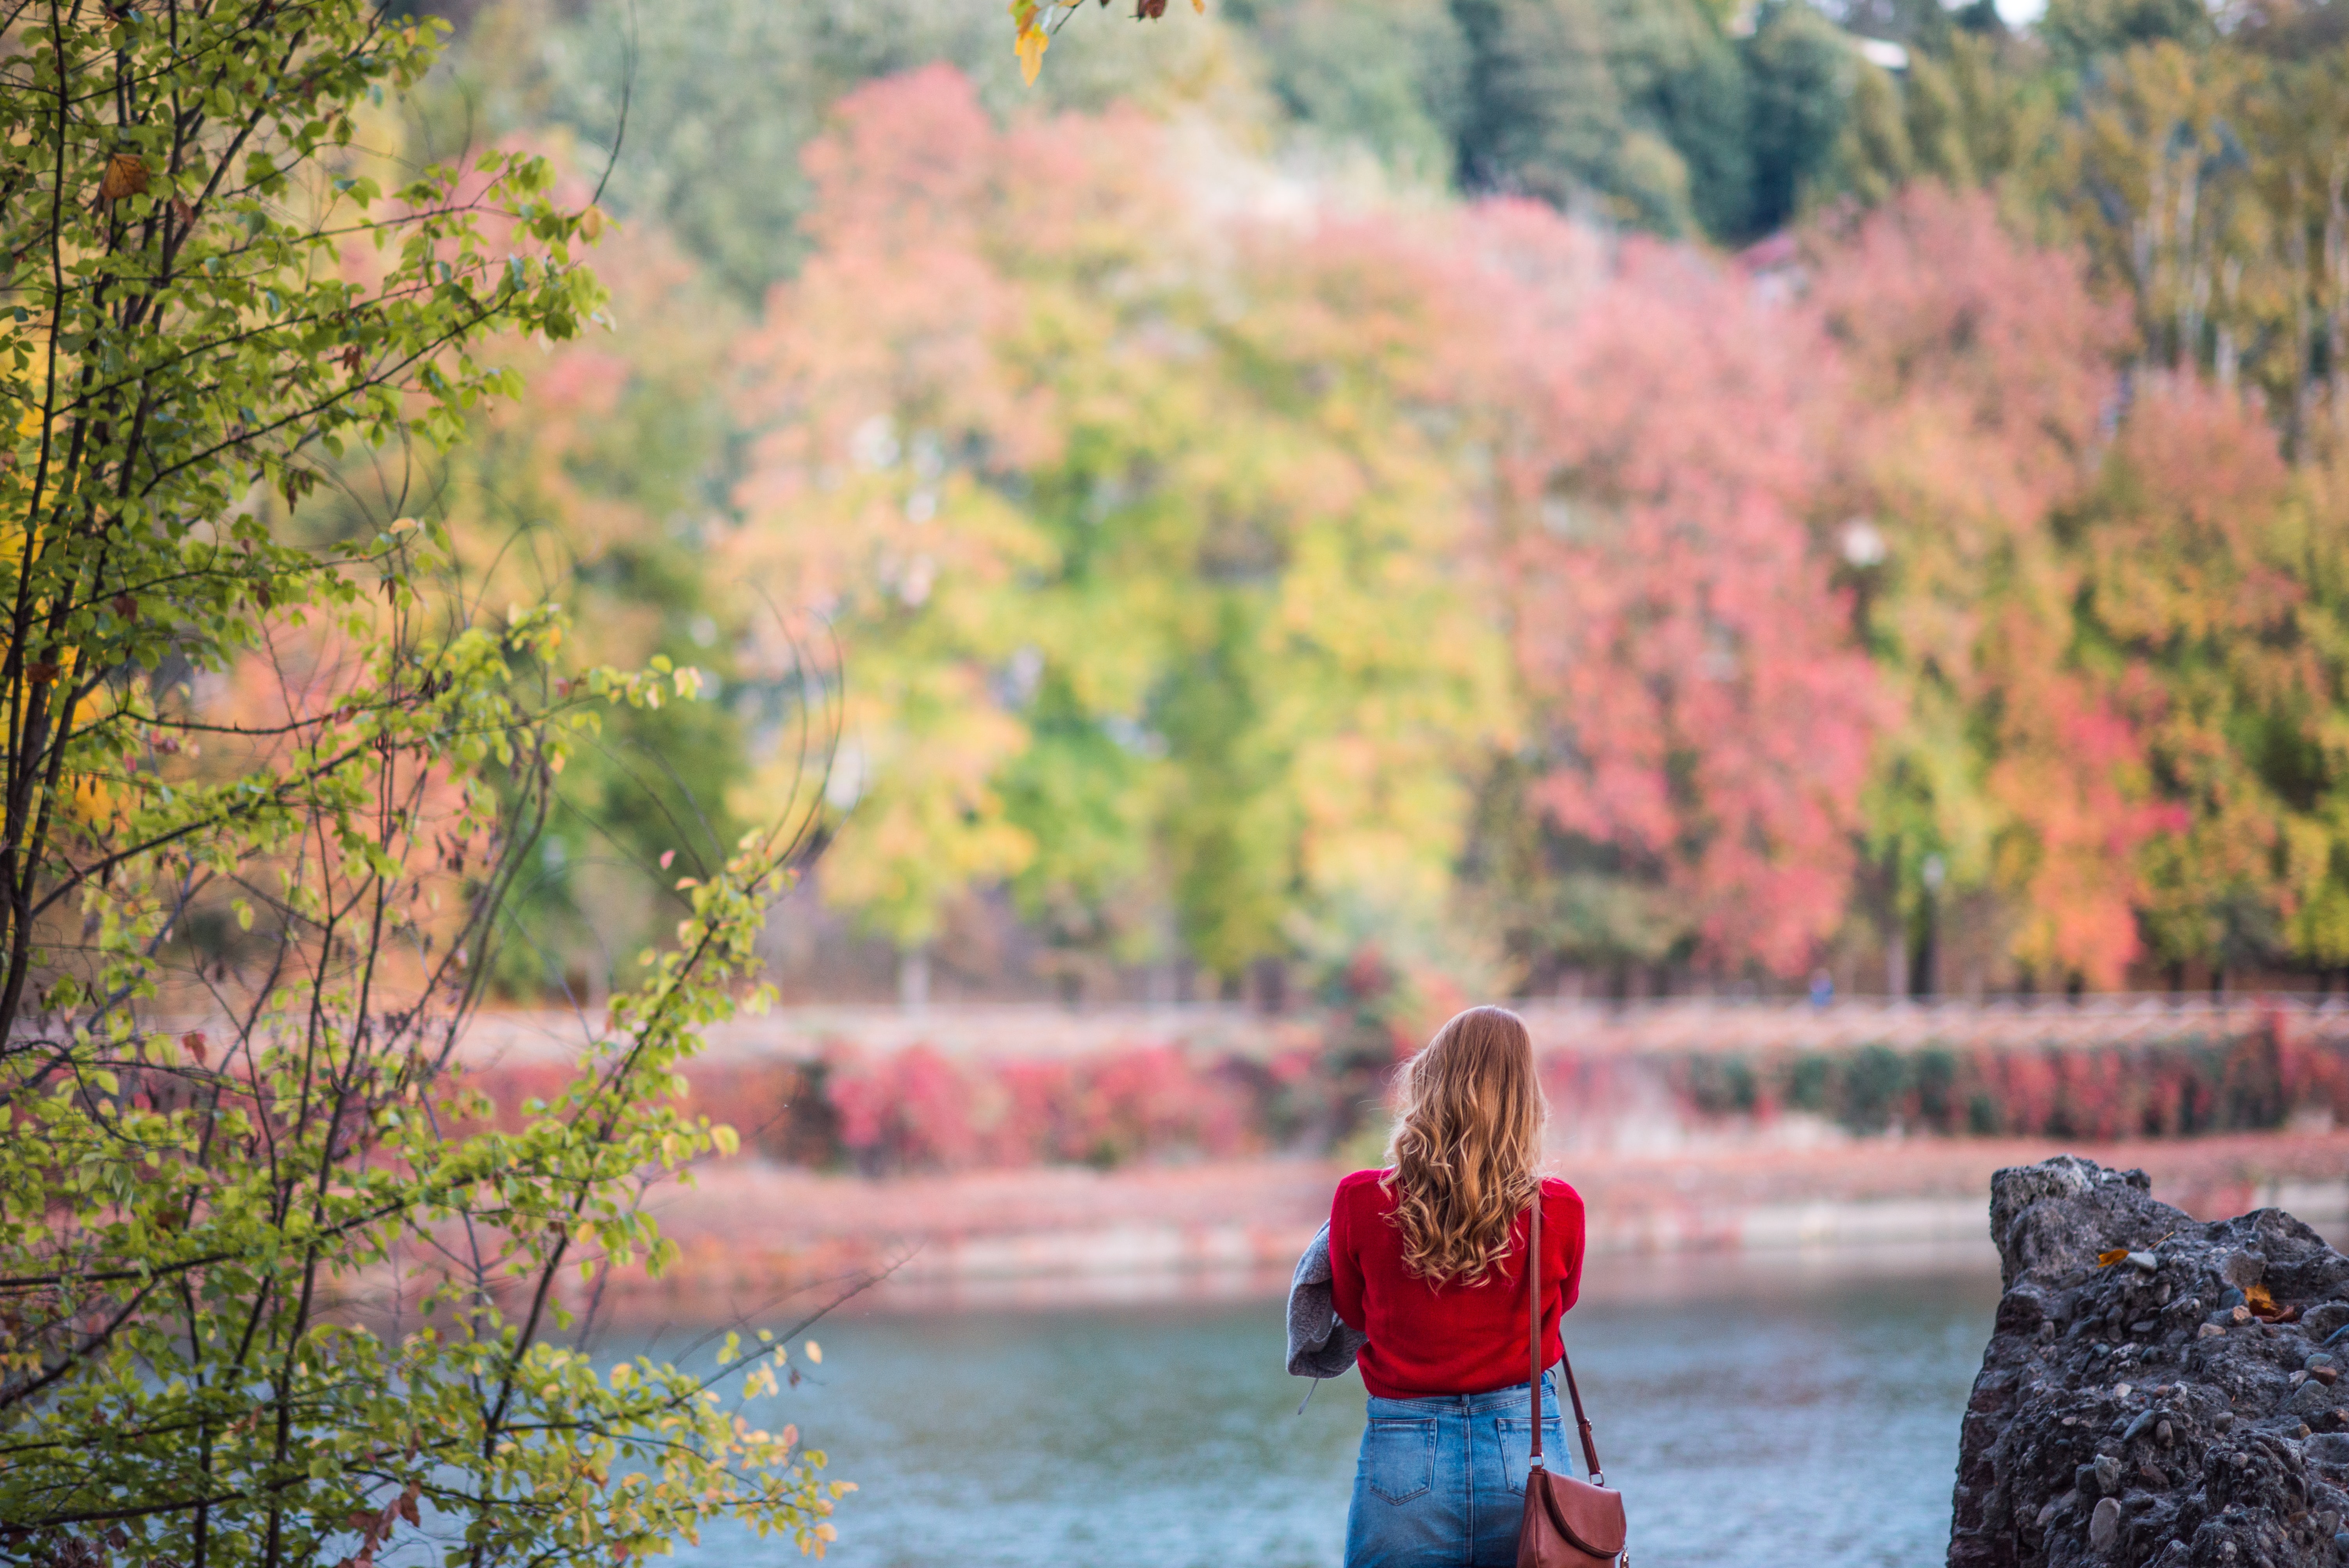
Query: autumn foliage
[(1237, 567), (1220, 562)]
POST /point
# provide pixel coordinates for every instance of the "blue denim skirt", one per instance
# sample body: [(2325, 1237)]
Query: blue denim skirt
[(1441, 1481)]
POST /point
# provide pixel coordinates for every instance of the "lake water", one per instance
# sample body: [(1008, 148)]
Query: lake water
[(1753, 1414)]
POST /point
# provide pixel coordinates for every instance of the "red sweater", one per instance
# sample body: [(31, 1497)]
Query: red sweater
[(1450, 1339)]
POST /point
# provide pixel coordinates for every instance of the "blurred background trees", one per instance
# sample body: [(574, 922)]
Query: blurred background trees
[(1620, 494)]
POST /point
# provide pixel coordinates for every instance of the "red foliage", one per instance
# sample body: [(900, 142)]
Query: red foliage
[(1675, 624), (1980, 367), (917, 1110)]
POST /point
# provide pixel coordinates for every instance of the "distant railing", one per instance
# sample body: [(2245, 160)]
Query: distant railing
[(1697, 1023), (1670, 1025)]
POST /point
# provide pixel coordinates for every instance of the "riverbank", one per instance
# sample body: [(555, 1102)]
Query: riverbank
[(1052, 1235), (962, 1093)]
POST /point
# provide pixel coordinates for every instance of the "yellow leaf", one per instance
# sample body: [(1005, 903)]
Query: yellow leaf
[(815, 1351), (1032, 41), (1200, 6), (2105, 1260)]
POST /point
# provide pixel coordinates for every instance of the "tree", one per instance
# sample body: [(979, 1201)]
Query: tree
[(1545, 118), (1391, 78), (1161, 608), (1707, 718), (1680, 80), (2208, 568), (1799, 73), (600, 487), (705, 105), (265, 796), (1983, 367), (1546, 114), (2078, 33)]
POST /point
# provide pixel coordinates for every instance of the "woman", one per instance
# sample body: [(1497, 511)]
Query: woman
[(1427, 1261)]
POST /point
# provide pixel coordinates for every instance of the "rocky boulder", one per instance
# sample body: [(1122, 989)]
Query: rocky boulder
[(2158, 1391)]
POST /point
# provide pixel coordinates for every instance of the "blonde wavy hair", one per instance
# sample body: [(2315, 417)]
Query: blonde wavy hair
[(1465, 1153)]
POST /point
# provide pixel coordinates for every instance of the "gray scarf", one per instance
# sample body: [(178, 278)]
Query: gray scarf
[(1321, 1344)]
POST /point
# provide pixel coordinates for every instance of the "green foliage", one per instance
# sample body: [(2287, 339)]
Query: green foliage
[(2079, 33), (1682, 82), (1800, 72), (2183, 1084), (1544, 117), (268, 789), (1389, 76), (601, 489)]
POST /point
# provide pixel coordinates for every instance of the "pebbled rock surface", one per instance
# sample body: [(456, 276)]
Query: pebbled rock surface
[(2139, 1413)]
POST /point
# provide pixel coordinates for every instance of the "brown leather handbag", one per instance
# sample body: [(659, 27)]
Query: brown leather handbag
[(1568, 1523)]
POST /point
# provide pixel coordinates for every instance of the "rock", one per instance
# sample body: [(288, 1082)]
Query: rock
[(2105, 1524), (2323, 1321), (2208, 1461), (2144, 1261)]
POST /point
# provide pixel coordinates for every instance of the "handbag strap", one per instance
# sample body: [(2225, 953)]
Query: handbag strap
[(1533, 1348)]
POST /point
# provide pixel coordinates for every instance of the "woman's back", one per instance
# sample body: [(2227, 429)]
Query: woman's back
[(1427, 1260), (1450, 1337)]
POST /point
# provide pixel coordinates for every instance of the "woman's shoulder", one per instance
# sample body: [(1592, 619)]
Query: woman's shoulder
[(1363, 1187), (1558, 1194)]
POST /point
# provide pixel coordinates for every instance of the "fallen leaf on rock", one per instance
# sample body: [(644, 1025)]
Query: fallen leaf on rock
[(2110, 1256), (2263, 1306)]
